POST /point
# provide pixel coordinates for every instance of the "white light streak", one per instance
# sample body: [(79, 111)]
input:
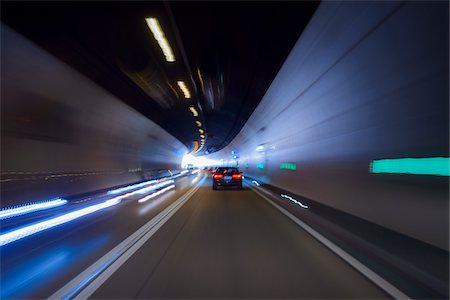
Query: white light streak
[(255, 183), (131, 187), (260, 148), (145, 190), (293, 200), (201, 131), (142, 200), (154, 26), (23, 232), (10, 212), (184, 89), (194, 111)]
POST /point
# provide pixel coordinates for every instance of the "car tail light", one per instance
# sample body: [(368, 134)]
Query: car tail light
[(217, 176), (237, 176)]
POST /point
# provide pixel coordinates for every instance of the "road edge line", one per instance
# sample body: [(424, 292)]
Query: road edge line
[(356, 264), (88, 281)]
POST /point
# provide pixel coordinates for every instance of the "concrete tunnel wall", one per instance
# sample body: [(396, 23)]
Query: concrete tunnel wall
[(365, 81), (62, 134)]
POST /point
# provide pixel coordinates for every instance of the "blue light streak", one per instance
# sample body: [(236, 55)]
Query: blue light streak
[(28, 230), (10, 212)]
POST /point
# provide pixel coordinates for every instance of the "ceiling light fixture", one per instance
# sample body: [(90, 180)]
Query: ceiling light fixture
[(154, 26), (201, 131), (184, 89), (194, 111), (198, 123)]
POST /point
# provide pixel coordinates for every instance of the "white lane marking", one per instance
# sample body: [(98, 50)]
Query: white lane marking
[(88, 281), (295, 201), (371, 275)]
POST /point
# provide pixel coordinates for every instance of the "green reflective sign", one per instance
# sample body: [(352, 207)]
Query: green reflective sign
[(439, 166), (260, 166), (288, 166)]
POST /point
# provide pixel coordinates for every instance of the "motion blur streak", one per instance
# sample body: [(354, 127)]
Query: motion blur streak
[(293, 200), (156, 194), (112, 141), (349, 94), (10, 212), (23, 232), (38, 269), (184, 89), (439, 166), (154, 26), (152, 188), (130, 187)]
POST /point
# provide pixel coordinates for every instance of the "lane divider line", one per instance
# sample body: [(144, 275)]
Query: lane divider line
[(88, 281), (371, 275)]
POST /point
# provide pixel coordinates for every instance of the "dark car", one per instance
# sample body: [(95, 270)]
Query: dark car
[(227, 177)]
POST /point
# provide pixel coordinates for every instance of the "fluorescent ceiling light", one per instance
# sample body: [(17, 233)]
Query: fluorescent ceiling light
[(154, 26), (194, 111), (201, 131), (184, 89)]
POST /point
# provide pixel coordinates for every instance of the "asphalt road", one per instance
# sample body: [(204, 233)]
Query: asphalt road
[(219, 244), (233, 244)]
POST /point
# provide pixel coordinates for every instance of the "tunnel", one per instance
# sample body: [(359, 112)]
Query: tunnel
[(224, 150)]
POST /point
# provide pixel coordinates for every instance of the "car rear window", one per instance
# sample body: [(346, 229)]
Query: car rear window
[(223, 170)]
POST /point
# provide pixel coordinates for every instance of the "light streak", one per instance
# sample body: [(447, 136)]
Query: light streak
[(184, 89), (288, 166), (438, 166), (131, 187), (255, 182), (142, 200), (28, 230), (154, 26), (293, 200), (10, 212), (194, 111)]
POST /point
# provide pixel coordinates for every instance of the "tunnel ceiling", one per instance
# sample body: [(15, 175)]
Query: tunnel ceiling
[(227, 54)]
